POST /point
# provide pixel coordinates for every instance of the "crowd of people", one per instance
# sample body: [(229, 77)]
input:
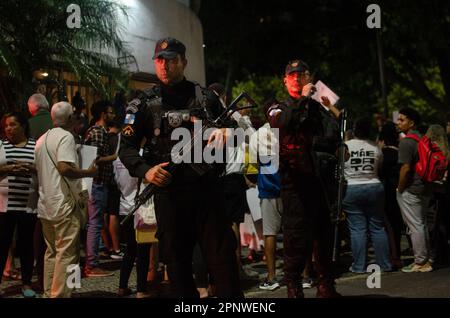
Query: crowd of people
[(49, 209)]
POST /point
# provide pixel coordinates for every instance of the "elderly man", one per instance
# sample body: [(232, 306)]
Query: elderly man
[(39, 123), (59, 187), (41, 120)]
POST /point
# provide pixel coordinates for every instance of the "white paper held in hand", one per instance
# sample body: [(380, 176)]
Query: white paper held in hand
[(86, 154), (324, 90)]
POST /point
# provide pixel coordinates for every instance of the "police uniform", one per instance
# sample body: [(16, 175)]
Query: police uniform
[(190, 208), (308, 141)]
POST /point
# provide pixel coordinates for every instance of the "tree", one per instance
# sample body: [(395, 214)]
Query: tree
[(262, 89), (35, 35), (416, 38), (257, 38)]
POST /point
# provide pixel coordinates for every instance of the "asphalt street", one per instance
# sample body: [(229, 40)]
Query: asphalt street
[(434, 284)]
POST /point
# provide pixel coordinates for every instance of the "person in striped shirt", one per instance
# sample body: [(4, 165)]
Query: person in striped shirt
[(18, 194)]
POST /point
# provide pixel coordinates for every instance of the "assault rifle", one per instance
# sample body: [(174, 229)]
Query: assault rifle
[(341, 184), (150, 189)]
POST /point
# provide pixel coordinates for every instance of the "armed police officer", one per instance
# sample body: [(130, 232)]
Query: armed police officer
[(308, 141), (188, 202)]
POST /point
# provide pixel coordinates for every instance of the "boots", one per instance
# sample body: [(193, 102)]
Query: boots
[(295, 290), (326, 289)]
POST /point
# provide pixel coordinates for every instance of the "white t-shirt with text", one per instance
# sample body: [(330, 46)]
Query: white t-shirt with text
[(362, 167)]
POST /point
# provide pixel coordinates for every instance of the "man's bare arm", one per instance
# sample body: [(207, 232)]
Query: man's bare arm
[(68, 169), (403, 177)]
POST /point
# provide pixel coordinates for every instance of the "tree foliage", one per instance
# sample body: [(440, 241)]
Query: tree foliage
[(257, 39), (34, 35), (262, 89)]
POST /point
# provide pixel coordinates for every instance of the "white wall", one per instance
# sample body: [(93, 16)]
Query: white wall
[(150, 20)]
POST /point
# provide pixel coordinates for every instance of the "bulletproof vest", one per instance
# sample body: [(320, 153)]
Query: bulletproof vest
[(166, 118), (296, 154), (296, 141)]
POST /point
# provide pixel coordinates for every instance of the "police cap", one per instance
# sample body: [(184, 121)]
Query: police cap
[(168, 48), (296, 66)]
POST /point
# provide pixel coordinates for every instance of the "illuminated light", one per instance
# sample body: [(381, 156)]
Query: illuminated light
[(261, 20), (204, 45), (45, 74)]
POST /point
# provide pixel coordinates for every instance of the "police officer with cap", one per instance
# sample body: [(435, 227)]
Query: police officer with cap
[(308, 133), (188, 204)]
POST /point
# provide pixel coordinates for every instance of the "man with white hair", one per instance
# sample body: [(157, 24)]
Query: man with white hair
[(41, 120), (59, 186)]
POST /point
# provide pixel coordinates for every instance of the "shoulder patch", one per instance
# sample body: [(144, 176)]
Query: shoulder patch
[(128, 131), (274, 110), (133, 105), (129, 119)]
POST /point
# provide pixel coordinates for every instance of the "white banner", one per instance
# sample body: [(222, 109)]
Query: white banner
[(86, 154)]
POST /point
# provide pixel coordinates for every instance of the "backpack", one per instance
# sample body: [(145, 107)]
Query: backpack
[(432, 163)]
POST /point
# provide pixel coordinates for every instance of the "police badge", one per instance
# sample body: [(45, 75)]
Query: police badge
[(175, 119)]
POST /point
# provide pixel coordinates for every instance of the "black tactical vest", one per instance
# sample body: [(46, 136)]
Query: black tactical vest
[(164, 118)]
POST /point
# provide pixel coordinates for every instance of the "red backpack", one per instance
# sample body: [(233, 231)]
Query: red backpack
[(432, 163)]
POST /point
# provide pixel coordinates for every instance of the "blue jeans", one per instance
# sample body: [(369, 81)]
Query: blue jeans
[(96, 209), (364, 205)]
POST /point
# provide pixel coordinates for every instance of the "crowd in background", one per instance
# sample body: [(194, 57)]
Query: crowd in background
[(379, 205)]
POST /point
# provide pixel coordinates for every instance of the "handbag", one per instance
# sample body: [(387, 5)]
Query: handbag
[(145, 217), (81, 200), (145, 222)]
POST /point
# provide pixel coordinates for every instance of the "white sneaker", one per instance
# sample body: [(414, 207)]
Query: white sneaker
[(269, 285), (116, 255), (307, 283), (416, 268)]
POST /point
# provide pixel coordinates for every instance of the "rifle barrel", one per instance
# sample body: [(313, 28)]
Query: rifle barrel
[(341, 184)]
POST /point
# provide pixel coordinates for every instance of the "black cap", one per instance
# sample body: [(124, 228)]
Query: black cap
[(296, 66), (168, 48)]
